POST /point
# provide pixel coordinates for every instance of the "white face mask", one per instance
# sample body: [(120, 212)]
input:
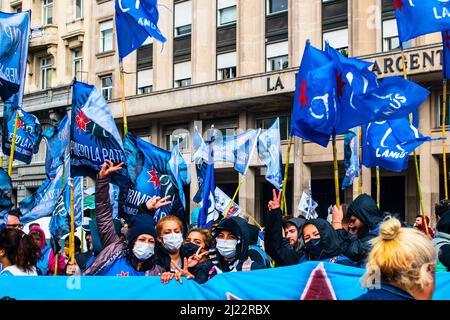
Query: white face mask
[(226, 248), (143, 250), (173, 241)]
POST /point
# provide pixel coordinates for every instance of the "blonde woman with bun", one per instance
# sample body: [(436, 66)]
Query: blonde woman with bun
[(401, 265)]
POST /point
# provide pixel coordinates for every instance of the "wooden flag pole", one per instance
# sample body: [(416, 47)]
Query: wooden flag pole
[(360, 161), (72, 222), (122, 93), (336, 173), (55, 272), (286, 171), (444, 134), (227, 212), (13, 144), (378, 187), (416, 162)]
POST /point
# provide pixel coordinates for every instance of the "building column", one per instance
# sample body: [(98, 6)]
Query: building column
[(429, 179), (302, 174), (163, 53), (250, 37), (203, 41), (305, 22), (364, 25), (366, 174)]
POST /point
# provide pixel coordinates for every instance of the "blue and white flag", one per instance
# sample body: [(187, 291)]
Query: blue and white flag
[(388, 144), (136, 20), (351, 157), (14, 39), (269, 152), (446, 54), (94, 135), (5, 197), (57, 139), (208, 213), (419, 17), (179, 171)]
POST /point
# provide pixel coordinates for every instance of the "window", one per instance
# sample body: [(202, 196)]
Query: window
[(47, 12), (277, 56), (46, 72), (439, 111), (285, 123), (226, 12), (338, 39), (77, 63), (178, 136), (183, 18), (275, 6), (78, 9), (106, 87), (391, 40), (182, 74), (106, 36), (226, 66), (145, 81)]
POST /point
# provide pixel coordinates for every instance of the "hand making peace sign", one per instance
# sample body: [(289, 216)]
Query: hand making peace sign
[(275, 202)]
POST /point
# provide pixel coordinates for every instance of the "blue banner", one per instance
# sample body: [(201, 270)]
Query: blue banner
[(419, 17), (5, 190), (284, 283), (388, 144), (94, 135), (14, 37), (57, 139), (269, 152), (135, 22)]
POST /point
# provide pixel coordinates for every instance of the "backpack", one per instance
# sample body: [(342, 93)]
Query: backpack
[(267, 260)]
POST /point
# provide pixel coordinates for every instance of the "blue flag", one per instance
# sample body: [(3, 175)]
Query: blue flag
[(29, 132), (351, 157), (446, 54), (5, 197), (179, 172), (313, 114), (419, 17), (94, 135), (14, 39), (208, 213), (388, 144), (269, 152), (136, 20), (57, 140)]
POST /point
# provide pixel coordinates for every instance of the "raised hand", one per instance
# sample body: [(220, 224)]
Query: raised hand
[(157, 202), (182, 272), (108, 168), (196, 258), (166, 277), (275, 203)]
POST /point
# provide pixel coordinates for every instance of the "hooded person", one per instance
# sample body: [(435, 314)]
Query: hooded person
[(441, 243), (288, 250), (232, 239), (364, 220), (39, 238), (322, 243), (118, 258), (419, 224)]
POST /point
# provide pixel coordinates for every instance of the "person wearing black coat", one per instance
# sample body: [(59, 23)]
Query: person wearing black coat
[(283, 251), (442, 240), (364, 217)]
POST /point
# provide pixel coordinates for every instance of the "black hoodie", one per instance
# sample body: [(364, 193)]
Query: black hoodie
[(279, 248), (239, 228), (366, 210), (443, 228)]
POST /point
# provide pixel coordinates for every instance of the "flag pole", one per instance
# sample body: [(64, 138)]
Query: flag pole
[(72, 222), (234, 197), (378, 187), (416, 162), (360, 160), (13, 144), (55, 272), (336, 173), (444, 134), (122, 93), (286, 170)]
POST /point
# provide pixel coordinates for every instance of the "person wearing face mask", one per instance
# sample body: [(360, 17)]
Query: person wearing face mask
[(284, 250), (195, 249), (232, 238), (118, 258), (322, 243)]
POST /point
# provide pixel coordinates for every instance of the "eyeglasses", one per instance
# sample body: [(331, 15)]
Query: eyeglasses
[(15, 226)]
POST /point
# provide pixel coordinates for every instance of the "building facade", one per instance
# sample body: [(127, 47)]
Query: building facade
[(230, 64)]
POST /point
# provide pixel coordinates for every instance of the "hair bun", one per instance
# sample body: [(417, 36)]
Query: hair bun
[(390, 229)]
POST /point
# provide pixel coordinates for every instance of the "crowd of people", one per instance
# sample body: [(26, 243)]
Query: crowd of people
[(400, 261)]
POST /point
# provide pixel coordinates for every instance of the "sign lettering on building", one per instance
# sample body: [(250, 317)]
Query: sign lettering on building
[(278, 84)]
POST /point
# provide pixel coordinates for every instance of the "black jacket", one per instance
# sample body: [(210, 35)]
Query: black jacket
[(443, 228), (277, 247), (330, 244), (366, 210), (238, 227)]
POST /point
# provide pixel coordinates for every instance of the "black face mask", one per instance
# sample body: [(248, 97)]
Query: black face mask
[(314, 249), (188, 249)]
